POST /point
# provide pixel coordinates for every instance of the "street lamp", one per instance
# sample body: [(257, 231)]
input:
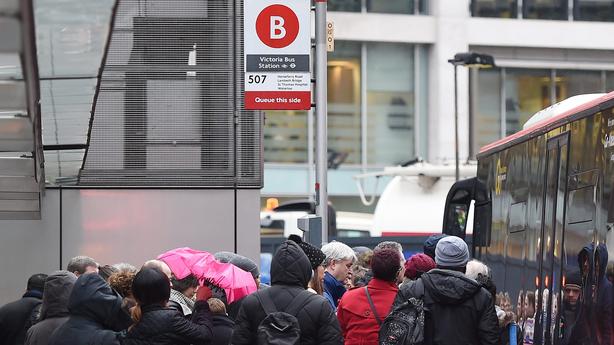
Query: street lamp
[(470, 59)]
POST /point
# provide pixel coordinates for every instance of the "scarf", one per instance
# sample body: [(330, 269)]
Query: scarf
[(187, 305)]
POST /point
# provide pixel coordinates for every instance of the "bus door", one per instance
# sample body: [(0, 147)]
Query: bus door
[(549, 280)]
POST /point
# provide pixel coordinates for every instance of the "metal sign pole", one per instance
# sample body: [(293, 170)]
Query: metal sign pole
[(321, 116)]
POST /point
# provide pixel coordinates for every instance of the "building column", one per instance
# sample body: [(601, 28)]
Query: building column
[(450, 38)]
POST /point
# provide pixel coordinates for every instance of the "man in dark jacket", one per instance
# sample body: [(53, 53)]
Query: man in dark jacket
[(594, 322), (54, 311), (290, 273), (96, 314), (572, 291), (459, 310), (15, 316), (605, 304)]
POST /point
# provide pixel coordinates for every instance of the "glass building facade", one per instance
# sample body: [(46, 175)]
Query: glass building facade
[(379, 6), (581, 10), (503, 99), (377, 97)]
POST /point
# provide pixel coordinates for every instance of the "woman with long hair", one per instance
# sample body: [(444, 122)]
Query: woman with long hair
[(155, 323)]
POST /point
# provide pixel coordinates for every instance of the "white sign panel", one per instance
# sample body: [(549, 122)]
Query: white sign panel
[(277, 45)]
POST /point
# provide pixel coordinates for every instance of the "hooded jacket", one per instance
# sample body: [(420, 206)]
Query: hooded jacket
[(15, 318), (290, 274), (95, 314), (459, 310), (54, 310), (594, 321), (604, 297)]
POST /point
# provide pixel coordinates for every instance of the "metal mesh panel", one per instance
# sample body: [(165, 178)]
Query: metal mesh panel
[(169, 90)]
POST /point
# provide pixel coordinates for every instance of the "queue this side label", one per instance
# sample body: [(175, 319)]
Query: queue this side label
[(277, 46)]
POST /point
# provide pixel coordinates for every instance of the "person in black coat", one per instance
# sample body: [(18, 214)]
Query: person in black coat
[(15, 316), (54, 310), (157, 324), (460, 310), (96, 314), (290, 274), (222, 324)]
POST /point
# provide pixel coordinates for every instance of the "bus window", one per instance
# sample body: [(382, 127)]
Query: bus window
[(468, 211), (551, 268)]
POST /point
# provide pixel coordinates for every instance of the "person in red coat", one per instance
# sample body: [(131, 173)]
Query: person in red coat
[(359, 321)]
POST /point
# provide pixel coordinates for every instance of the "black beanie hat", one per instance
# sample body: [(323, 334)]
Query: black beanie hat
[(573, 278), (315, 255)]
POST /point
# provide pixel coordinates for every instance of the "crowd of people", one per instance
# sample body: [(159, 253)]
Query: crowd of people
[(329, 295)]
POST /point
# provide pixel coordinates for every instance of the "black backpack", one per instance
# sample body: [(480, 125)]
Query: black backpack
[(280, 327), (405, 325)]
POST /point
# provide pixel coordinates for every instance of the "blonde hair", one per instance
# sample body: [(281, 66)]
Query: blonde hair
[(216, 306)]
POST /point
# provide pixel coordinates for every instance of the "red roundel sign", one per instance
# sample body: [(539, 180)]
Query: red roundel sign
[(277, 26)]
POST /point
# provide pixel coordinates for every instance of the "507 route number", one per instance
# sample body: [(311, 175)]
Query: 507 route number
[(256, 79)]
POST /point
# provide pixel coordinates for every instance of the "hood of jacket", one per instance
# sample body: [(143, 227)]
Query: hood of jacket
[(290, 266), (449, 287), (92, 298), (57, 290), (587, 252), (602, 258)]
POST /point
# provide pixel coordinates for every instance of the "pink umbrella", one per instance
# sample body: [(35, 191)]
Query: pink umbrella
[(236, 282)]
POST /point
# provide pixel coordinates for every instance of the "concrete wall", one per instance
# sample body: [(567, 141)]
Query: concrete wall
[(125, 226)]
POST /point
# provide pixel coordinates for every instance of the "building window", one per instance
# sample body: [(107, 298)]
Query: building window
[(609, 84), (487, 110), (586, 10), (390, 103), (391, 6), (345, 5), (380, 6), (377, 97), (572, 83), (494, 8), (285, 136), (545, 9), (344, 101), (527, 91), (591, 10)]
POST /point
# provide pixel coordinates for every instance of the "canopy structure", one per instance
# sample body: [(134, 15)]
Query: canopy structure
[(21, 149)]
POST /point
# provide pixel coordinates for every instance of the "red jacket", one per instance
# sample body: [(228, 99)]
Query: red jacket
[(357, 322)]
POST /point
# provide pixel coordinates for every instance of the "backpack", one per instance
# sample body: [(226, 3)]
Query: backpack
[(280, 327), (405, 325)]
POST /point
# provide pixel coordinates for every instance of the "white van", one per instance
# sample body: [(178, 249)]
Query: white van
[(412, 204), (282, 221)]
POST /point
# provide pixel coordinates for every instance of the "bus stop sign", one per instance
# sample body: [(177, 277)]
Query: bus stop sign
[(277, 45)]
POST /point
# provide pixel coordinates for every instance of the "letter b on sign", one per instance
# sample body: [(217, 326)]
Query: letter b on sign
[(277, 26), (278, 31)]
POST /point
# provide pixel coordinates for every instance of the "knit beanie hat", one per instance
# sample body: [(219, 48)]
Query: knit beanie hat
[(314, 254), (431, 243), (240, 261), (418, 264), (573, 279), (451, 251)]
